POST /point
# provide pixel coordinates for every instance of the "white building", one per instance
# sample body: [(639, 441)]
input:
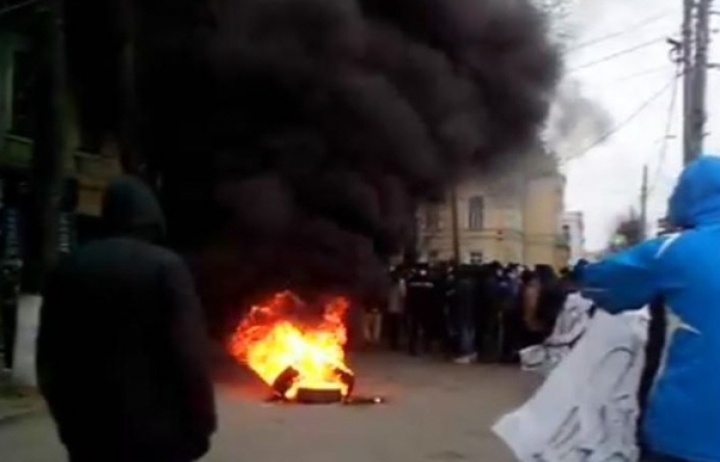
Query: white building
[(509, 215), (573, 230)]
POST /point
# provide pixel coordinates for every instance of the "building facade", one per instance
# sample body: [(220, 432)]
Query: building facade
[(511, 217), (88, 167)]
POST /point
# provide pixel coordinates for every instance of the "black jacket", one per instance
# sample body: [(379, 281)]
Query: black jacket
[(424, 296), (122, 347)]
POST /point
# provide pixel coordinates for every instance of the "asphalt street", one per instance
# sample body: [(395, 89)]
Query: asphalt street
[(434, 412)]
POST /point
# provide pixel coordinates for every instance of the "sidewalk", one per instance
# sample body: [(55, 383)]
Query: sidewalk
[(16, 403)]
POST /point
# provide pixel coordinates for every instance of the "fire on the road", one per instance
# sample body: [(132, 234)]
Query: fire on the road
[(271, 341)]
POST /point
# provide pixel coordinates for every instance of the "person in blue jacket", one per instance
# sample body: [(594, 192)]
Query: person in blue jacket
[(683, 415)]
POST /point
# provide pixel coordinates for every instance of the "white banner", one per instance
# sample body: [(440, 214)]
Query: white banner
[(586, 411), (569, 328)]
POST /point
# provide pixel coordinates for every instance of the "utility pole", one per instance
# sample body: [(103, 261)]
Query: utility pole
[(50, 146), (696, 40), (644, 203), (455, 228), (688, 78), (702, 42)]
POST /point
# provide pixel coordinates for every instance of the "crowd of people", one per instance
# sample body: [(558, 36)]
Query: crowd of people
[(139, 387), (469, 312)]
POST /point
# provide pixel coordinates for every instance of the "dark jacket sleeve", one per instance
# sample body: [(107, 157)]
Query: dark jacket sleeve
[(190, 345)]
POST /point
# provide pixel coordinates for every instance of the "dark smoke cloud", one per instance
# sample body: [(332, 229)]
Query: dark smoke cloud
[(294, 137), (576, 121)]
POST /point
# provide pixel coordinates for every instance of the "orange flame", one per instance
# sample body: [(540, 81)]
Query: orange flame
[(269, 340)]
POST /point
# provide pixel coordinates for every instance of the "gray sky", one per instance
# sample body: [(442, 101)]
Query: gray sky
[(604, 182)]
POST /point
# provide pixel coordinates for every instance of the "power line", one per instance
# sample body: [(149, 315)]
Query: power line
[(18, 6), (640, 74), (666, 137), (620, 33), (630, 118), (619, 54)]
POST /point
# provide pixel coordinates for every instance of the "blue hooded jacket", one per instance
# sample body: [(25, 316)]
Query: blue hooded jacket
[(683, 415)]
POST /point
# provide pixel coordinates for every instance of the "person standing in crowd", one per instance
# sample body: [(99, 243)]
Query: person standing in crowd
[(395, 310), (517, 315), (372, 324), (533, 328), (552, 297), (682, 420), (122, 347), (462, 308), (491, 298), (424, 298)]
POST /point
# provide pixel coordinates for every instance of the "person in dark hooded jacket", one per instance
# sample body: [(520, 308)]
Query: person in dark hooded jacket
[(122, 346)]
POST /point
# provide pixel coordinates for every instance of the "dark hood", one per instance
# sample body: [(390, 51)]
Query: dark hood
[(131, 209)]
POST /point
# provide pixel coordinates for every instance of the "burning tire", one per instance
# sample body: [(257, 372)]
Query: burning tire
[(284, 382), (318, 396), (301, 361)]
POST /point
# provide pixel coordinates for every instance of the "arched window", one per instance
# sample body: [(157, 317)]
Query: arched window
[(476, 213)]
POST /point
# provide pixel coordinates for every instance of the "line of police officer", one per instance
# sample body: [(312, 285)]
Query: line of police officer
[(466, 310)]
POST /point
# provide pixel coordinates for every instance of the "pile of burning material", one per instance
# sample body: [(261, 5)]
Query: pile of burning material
[(300, 360)]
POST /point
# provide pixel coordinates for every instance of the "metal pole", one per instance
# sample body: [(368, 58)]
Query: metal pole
[(702, 41), (688, 79), (49, 146)]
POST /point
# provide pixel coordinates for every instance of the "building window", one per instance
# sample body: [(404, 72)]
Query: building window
[(433, 256), (476, 258), (476, 213), (432, 218), (566, 234)]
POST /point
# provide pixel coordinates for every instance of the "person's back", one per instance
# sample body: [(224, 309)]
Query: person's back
[(683, 415), (463, 307), (422, 292), (121, 350), (421, 302)]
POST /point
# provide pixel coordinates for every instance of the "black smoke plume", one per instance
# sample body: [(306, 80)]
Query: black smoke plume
[(575, 121), (293, 138)]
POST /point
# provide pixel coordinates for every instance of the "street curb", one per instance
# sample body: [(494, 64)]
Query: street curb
[(20, 414)]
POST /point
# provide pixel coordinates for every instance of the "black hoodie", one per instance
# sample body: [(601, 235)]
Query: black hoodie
[(122, 347)]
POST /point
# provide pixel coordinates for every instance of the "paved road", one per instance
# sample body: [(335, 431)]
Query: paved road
[(435, 412)]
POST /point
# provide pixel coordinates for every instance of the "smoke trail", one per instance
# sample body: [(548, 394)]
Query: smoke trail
[(294, 137), (575, 121)]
